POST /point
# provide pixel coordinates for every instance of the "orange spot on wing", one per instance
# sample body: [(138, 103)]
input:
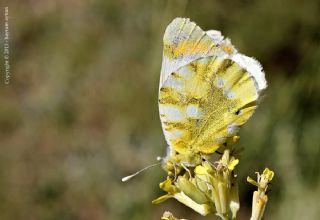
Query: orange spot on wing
[(227, 49), (190, 48)]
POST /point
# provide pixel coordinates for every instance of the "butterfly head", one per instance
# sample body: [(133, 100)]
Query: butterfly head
[(174, 162)]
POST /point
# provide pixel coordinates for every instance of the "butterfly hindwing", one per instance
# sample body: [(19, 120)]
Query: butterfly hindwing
[(204, 102)]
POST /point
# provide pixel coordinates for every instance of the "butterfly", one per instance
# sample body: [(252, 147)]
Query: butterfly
[(207, 91)]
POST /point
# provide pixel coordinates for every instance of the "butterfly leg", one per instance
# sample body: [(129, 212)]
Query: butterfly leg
[(206, 159), (184, 167), (175, 172)]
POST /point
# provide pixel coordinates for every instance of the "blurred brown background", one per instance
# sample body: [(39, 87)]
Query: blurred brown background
[(81, 111)]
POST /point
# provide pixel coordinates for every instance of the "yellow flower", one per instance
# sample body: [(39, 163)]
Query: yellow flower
[(209, 189), (262, 180), (260, 198)]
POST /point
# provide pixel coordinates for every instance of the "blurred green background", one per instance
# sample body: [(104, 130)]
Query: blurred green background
[(81, 111)]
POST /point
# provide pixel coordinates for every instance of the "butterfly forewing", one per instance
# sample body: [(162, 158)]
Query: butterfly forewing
[(184, 42)]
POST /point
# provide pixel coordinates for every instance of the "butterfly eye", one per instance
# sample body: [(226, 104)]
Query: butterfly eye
[(238, 112)]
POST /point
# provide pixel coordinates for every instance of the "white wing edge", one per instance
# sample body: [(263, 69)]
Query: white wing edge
[(215, 35), (253, 67)]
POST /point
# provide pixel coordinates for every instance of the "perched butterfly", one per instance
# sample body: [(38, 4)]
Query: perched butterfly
[(207, 92)]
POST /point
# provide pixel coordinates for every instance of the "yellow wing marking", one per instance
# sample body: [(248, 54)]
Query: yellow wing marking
[(187, 48)]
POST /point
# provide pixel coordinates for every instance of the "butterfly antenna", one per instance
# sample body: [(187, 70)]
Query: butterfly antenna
[(124, 179)]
